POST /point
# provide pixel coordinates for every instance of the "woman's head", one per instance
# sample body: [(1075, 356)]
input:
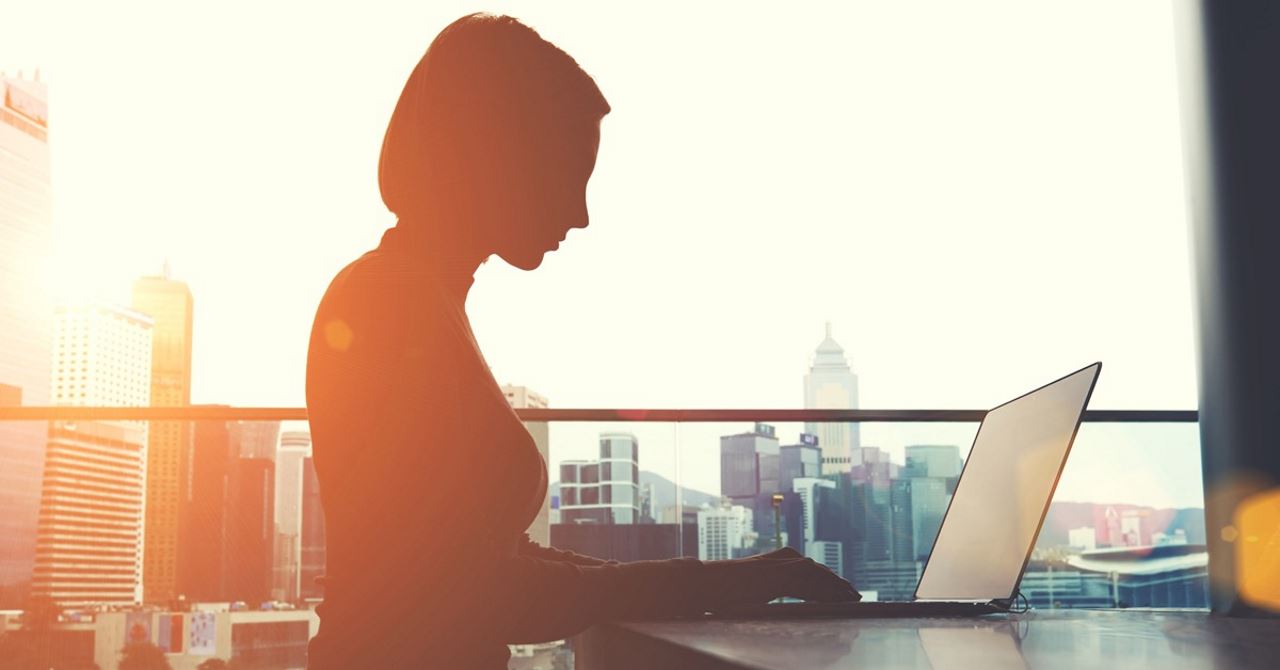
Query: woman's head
[(492, 142)]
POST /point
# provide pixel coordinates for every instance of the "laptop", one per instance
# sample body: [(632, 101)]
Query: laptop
[(994, 516)]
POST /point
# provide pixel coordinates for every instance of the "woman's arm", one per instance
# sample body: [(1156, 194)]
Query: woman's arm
[(532, 549), (551, 600), (545, 600)]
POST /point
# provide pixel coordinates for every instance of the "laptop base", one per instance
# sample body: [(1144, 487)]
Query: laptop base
[(872, 610)]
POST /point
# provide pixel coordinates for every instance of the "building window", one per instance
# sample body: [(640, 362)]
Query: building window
[(623, 494)]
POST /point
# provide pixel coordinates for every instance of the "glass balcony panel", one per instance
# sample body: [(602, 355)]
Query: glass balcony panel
[(1125, 529)]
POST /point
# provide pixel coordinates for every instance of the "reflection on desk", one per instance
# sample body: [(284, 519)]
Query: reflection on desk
[(1146, 639)]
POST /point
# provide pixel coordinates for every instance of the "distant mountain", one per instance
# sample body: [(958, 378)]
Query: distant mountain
[(1064, 516), (664, 492)]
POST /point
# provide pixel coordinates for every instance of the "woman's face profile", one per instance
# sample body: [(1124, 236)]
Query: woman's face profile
[(546, 195)]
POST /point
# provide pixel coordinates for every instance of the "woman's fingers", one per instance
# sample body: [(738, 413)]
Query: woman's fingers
[(801, 577), (810, 580), (764, 577)]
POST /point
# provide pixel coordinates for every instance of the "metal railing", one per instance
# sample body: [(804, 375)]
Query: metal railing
[(229, 413)]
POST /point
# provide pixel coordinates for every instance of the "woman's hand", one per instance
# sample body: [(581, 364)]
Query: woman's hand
[(764, 577)]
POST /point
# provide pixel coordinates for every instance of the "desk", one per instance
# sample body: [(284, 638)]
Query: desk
[(1146, 639)]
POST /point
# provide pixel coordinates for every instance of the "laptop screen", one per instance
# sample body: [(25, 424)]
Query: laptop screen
[(1004, 492)]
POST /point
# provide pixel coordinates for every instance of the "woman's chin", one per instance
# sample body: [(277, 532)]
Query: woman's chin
[(525, 260)]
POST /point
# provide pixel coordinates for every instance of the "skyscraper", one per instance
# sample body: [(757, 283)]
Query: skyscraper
[(170, 305), (831, 384), (26, 318), (933, 460), (799, 460), (751, 473), (258, 439), (805, 487), (291, 462), (521, 397), (930, 473), (311, 536), (228, 531), (205, 550), (251, 530), (90, 533), (749, 463), (872, 510)]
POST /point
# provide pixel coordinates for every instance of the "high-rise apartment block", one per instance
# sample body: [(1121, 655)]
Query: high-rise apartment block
[(521, 397), (831, 384), (26, 318), (169, 304), (603, 491), (725, 532), (89, 540)]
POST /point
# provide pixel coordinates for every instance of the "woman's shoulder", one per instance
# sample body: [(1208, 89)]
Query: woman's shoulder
[(377, 279), (388, 299)]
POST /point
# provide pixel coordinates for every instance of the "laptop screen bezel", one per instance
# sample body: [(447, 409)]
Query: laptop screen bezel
[(1048, 500)]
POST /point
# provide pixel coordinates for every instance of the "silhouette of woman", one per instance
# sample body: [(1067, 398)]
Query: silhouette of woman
[(428, 478)]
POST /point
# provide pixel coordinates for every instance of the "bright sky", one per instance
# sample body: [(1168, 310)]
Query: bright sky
[(980, 196)]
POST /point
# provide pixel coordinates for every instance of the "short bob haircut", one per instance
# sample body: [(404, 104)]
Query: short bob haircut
[(487, 86)]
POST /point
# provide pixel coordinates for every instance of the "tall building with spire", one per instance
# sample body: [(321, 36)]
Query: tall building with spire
[(169, 304), (26, 319), (831, 384)]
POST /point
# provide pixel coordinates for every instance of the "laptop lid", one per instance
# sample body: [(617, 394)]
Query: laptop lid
[(1003, 493)]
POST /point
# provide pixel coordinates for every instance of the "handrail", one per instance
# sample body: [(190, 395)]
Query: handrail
[(228, 413)]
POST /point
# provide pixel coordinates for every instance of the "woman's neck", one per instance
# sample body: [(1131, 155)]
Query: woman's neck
[(452, 259)]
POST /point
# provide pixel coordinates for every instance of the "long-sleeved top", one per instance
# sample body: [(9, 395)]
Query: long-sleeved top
[(428, 480)]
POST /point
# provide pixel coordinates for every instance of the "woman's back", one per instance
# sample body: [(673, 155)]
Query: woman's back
[(411, 441)]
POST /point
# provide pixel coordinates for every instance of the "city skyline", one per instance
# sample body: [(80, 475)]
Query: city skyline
[(1110, 462)]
